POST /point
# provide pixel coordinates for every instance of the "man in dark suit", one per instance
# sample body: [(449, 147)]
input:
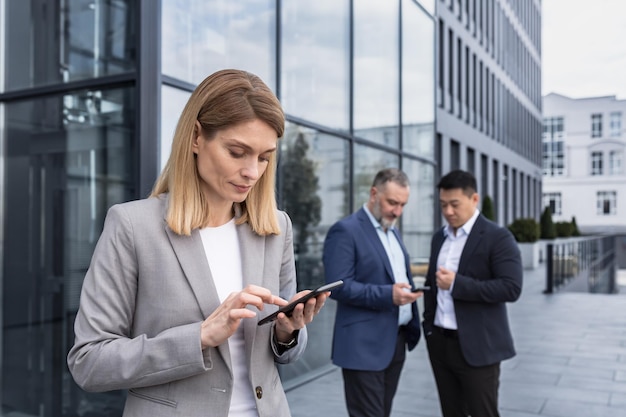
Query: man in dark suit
[(475, 268), (377, 317)]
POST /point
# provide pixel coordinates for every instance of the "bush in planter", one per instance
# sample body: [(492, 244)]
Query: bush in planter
[(525, 230), (548, 231), (563, 229), (487, 208)]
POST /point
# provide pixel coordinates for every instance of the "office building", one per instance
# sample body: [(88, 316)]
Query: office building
[(584, 142), (489, 99), (90, 92)]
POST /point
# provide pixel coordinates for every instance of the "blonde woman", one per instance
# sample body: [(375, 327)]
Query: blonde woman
[(178, 281)]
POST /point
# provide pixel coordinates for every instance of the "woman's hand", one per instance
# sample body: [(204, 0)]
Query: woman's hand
[(302, 315), (226, 318)]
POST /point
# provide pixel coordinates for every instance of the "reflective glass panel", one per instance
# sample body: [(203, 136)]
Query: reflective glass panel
[(200, 37), (173, 101), (418, 81), (315, 71), (51, 41), (313, 181), (418, 216), (376, 73), (68, 158), (367, 162)]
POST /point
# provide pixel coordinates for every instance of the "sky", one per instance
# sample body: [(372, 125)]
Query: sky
[(584, 48)]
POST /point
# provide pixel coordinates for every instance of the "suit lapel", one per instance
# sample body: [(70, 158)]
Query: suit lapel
[(473, 240), (372, 236), (192, 259)]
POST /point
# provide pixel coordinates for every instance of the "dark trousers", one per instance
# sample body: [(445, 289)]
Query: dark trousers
[(370, 393), (464, 390)]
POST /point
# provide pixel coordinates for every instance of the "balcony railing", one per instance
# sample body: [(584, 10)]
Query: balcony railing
[(585, 264)]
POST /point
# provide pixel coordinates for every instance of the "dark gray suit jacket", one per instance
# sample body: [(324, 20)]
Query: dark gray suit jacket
[(489, 275), (143, 300)]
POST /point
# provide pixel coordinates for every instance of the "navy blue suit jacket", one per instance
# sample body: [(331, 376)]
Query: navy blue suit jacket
[(366, 324), (489, 275)]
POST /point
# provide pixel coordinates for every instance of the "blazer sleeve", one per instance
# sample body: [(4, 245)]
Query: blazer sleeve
[(494, 274), (348, 256), (105, 355)]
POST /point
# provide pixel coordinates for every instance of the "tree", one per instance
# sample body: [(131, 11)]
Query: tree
[(300, 186), (548, 230), (487, 208)]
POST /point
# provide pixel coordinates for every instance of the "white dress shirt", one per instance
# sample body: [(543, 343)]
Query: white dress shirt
[(449, 257)]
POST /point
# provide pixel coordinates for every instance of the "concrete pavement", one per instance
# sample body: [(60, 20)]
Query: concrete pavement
[(571, 362)]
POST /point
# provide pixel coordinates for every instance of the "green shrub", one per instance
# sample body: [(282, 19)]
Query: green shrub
[(525, 230), (563, 229), (575, 230), (548, 231), (487, 208)]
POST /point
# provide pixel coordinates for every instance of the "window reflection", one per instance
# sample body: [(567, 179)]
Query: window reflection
[(418, 216), (376, 74), (418, 81), (313, 180), (173, 101), (367, 162), (200, 37), (68, 159), (314, 73), (83, 39)]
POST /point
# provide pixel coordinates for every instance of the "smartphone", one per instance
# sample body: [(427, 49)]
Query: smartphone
[(288, 309), (421, 289)]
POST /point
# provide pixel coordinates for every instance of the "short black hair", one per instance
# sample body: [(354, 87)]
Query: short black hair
[(391, 175), (458, 179)]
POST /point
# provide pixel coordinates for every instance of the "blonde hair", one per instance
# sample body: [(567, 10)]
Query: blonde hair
[(223, 99)]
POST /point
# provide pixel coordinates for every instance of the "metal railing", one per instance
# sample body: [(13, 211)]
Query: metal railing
[(582, 264)]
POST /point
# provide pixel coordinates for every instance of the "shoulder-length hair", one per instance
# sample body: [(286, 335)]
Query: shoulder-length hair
[(223, 99)]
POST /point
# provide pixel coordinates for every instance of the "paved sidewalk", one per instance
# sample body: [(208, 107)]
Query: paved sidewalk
[(571, 362)]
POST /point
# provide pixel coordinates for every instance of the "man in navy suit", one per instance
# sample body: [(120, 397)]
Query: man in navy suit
[(475, 268), (377, 317)]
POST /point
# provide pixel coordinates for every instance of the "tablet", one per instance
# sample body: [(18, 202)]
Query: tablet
[(288, 309)]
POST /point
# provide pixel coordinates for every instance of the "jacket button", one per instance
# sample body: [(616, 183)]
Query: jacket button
[(259, 392)]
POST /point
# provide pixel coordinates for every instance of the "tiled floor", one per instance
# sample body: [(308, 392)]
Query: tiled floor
[(571, 362)]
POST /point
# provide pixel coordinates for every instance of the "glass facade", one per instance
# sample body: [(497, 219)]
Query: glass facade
[(356, 81)]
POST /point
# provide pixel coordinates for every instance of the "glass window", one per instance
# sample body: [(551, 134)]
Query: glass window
[(615, 163), (200, 37), (376, 74), (553, 200), (596, 163), (313, 184), (315, 71), (367, 162), (606, 203), (173, 101), (616, 124), (68, 159), (418, 216), (49, 44), (418, 81), (596, 125)]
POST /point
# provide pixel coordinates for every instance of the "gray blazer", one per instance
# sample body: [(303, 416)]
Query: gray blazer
[(143, 300)]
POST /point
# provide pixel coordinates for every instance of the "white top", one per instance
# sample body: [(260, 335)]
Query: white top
[(221, 246), (397, 261), (449, 257)]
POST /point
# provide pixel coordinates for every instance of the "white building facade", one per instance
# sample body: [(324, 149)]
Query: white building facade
[(584, 142)]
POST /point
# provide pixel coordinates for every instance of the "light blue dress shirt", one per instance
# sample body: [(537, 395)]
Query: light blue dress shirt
[(397, 261)]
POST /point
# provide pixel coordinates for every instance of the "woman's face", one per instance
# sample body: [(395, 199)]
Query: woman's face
[(233, 161)]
